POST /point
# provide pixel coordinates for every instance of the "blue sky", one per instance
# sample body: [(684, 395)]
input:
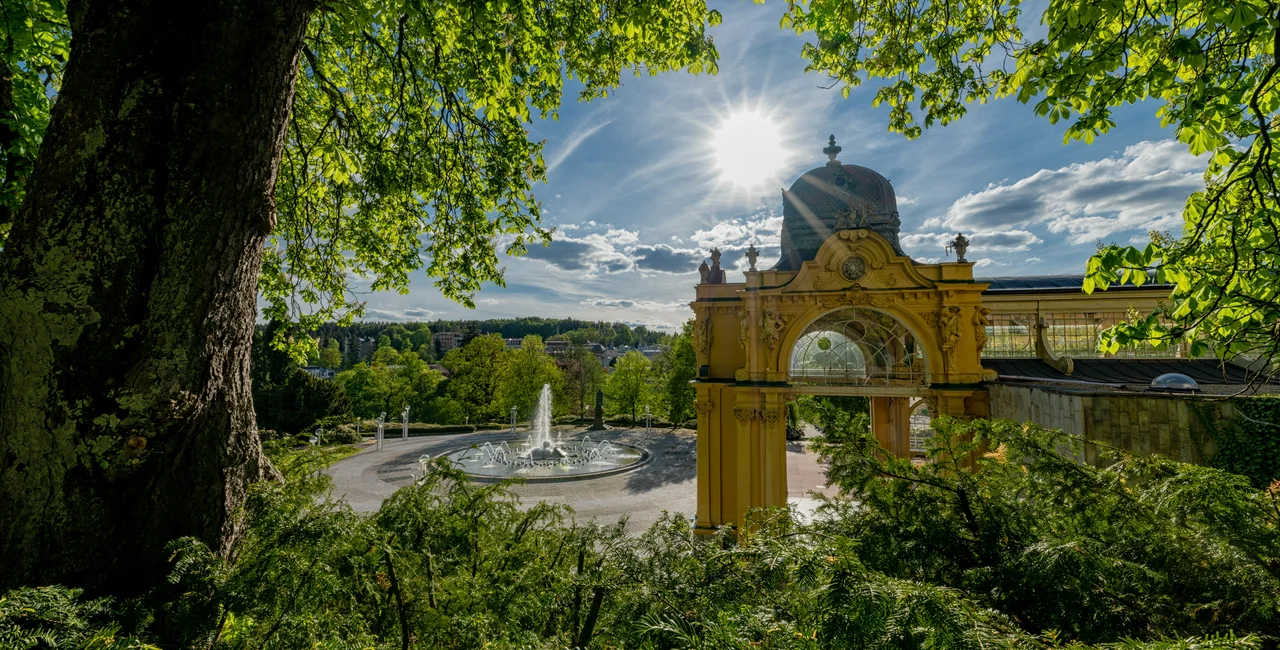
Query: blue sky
[(637, 197)]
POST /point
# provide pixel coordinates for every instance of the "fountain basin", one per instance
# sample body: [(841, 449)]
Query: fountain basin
[(583, 459)]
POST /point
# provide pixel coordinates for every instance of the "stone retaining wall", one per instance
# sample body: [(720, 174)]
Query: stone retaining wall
[(1143, 423)]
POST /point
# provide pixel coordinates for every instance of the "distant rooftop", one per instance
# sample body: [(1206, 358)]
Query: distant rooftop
[(1132, 372), (1050, 284)]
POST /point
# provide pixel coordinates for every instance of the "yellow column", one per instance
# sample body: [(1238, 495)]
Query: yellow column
[(709, 453)]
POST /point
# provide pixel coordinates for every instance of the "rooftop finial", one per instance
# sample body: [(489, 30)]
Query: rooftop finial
[(832, 150)]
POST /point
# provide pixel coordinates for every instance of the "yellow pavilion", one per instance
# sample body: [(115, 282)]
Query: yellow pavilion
[(846, 312)]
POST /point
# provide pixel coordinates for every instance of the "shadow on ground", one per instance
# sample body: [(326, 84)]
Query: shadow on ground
[(675, 461)]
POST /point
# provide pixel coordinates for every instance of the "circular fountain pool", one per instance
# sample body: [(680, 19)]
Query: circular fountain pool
[(546, 460)]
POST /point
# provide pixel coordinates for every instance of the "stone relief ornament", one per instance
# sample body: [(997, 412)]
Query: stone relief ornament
[(703, 407), (886, 277), (980, 323), (702, 338), (856, 295), (772, 325), (744, 330), (853, 268), (949, 329), (747, 415)]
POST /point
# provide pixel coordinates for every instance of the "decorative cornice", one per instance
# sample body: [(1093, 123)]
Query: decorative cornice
[(764, 415)]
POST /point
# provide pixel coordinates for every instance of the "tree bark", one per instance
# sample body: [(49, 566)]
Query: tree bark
[(128, 290), (8, 129)]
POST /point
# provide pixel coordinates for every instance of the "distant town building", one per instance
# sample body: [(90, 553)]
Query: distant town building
[(652, 351), (440, 369), (446, 341), (367, 347), (317, 371)]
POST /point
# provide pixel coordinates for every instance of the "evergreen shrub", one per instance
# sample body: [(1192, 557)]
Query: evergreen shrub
[(1001, 542)]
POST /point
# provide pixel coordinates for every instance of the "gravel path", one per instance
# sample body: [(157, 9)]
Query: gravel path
[(667, 483)]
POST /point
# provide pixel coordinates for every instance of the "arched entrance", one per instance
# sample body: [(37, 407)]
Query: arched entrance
[(864, 351), (857, 346), (843, 312)]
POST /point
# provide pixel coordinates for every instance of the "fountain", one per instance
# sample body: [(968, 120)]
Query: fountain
[(542, 457)]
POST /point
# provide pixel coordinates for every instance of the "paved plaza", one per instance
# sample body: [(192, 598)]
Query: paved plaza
[(667, 483)]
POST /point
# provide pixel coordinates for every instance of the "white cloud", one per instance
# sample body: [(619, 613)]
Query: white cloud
[(1000, 241), (399, 315), (763, 228), (642, 305), (622, 237), (1033, 260), (592, 254), (1143, 188), (572, 142)]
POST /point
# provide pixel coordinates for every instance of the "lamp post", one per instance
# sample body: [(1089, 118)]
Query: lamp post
[(381, 420), (648, 418), (315, 440), (513, 419), (404, 423)]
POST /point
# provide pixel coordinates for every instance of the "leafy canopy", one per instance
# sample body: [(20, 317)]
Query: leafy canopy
[(1210, 67), (34, 41), (408, 145)]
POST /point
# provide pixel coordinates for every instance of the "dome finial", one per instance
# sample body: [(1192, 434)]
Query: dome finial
[(832, 150)]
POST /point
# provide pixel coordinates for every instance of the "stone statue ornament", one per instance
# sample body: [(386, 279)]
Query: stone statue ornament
[(832, 150), (960, 244), (704, 272), (715, 275), (597, 420), (752, 256)]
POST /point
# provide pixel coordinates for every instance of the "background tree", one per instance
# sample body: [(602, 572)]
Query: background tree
[(389, 383), (149, 228), (420, 339), (678, 365), (331, 355), (1210, 68), (287, 398), (629, 388), (583, 376), (476, 375), (528, 369)]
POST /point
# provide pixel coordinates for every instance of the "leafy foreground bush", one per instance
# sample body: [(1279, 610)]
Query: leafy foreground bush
[(1031, 550)]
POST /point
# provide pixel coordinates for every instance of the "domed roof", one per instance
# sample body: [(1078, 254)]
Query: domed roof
[(830, 198)]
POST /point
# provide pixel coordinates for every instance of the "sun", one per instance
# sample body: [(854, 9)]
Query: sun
[(748, 148)]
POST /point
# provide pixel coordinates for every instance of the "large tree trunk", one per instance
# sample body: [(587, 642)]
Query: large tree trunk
[(128, 288)]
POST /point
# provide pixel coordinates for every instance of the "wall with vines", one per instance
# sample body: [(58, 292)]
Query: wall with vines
[(1247, 440)]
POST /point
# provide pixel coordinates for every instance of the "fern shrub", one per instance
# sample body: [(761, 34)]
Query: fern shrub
[(1003, 541)]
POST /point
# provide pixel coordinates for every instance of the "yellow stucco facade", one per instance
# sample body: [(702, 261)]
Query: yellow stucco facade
[(845, 312), (916, 331)]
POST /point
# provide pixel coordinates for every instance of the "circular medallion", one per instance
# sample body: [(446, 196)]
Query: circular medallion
[(853, 268), (824, 344)]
